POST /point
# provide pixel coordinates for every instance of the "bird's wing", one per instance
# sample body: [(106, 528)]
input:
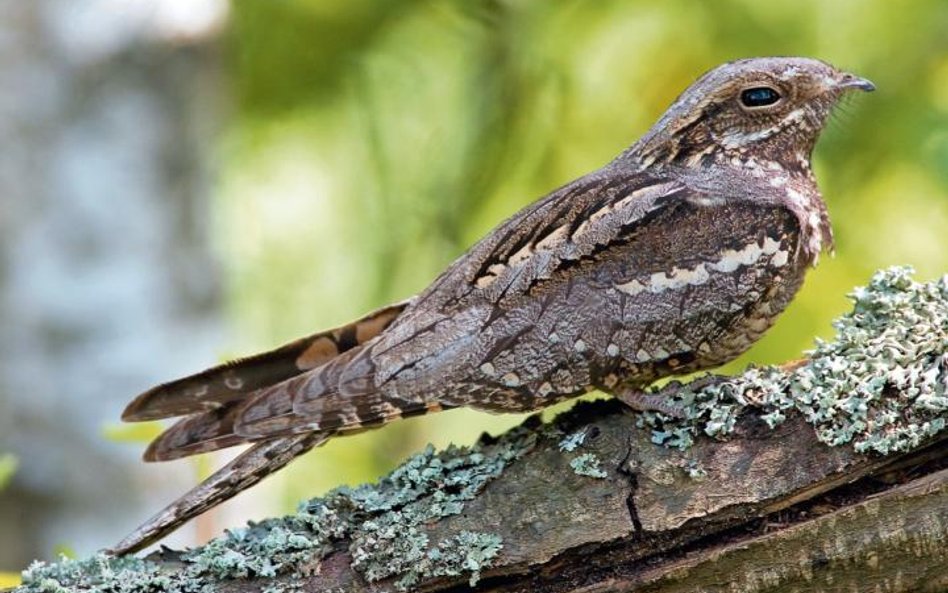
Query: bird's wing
[(553, 241), (575, 223), (551, 237), (210, 399)]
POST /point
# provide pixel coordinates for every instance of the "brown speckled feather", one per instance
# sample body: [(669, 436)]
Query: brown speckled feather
[(212, 399), (243, 472)]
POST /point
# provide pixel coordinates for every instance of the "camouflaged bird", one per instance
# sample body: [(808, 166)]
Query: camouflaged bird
[(674, 257)]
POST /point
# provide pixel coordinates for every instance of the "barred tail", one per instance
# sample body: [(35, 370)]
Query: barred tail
[(210, 401), (246, 470)]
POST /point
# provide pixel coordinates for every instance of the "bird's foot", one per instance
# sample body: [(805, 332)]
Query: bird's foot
[(662, 400), (656, 401)]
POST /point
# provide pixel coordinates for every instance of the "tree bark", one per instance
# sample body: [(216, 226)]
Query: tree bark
[(777, 511)]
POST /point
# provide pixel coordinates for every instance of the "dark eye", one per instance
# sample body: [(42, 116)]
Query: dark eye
[(760, 96)]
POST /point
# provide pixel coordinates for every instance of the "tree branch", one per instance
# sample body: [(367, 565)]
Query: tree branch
[(590, 502)]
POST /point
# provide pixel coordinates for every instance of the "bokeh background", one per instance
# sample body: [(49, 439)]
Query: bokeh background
[(183, 181)]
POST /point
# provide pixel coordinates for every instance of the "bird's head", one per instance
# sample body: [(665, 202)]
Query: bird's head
[(765, 109)]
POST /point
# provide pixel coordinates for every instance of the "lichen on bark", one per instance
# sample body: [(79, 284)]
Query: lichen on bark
[(381, 524)]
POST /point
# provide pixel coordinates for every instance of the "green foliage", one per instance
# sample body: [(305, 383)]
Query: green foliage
[(144, 433), (9, 579), (64, 551), (138, 432), (8, 465), (375, 141)]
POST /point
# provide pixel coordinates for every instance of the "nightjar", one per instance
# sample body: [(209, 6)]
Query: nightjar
[(676, 256)]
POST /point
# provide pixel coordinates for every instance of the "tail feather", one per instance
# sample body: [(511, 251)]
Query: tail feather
[(232, 381), (198, 433), (211, 400), (246, 470), (256, 463), (339, 416), (274, 410)]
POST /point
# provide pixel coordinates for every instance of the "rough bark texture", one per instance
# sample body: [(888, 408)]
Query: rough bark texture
[(776, 511)]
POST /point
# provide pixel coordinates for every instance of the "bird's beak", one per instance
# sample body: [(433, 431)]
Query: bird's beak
[(851, 81)]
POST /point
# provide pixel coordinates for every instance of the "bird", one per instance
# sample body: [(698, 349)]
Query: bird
[(674, 257)]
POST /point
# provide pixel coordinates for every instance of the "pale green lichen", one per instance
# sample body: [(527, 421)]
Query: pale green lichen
[(694, 469), (573, 441), (387, 536), (244, 552), (291, 587), (587, 464), (468, 552), (105, 574), (384, 525), (880, 384)]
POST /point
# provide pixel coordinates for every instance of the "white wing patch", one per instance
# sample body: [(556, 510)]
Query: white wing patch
[(728, 261)]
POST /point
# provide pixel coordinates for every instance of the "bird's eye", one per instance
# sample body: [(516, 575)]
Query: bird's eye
[(760, 96)]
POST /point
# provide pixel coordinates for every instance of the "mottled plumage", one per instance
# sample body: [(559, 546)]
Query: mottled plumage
[(674, 257)]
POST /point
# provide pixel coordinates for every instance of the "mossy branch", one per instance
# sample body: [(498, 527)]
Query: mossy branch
[(828, 475)]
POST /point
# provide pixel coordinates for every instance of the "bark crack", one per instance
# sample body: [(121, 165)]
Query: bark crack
[(625, 469)]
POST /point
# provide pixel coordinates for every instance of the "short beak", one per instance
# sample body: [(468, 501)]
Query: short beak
[(851, 81)]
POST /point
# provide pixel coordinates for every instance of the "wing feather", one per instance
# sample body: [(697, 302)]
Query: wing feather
[(434, 336), (233, 380)]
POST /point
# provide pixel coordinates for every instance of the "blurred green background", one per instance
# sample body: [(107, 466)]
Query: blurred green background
[(374, 141), (361, 146)]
